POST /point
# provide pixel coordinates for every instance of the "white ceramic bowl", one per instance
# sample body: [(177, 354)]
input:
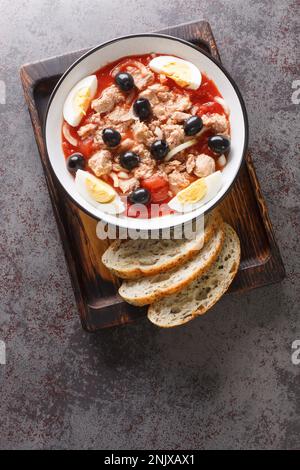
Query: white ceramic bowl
[(143, 44)]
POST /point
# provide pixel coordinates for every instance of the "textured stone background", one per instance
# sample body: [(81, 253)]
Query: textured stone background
[(224, 381)]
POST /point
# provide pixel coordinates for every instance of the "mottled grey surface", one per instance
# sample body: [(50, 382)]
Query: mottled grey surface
[(224, 381)]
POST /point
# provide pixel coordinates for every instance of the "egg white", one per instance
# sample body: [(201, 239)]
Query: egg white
[(213, 184), (72, 113), (158, 63), (114, 207)]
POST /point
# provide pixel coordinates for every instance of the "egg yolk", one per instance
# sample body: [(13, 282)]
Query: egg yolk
[(100, 191), (82, 99), (179, 72), (193, 193)]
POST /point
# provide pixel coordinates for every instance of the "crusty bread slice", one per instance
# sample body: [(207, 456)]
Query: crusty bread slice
[(131, 259), (204, 292), (152, 288)]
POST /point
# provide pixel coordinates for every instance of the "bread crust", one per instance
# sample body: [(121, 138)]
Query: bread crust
[(200, 310), (177, 287), (135, 272)]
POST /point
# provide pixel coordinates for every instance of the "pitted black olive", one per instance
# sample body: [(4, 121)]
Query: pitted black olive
[(140, 196), (75, 162), (124, 81), (219, 144), (129, 160), (193, 125), (111, 137), (159, 149), (142, 109)]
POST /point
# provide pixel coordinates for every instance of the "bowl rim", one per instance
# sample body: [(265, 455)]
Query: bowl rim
[(159, 35)]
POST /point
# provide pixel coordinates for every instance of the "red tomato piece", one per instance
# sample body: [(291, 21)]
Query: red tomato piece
[(211, 108), (86, 147), (160, 195), (158, 187)]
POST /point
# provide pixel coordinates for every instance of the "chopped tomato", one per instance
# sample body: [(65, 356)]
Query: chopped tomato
[(158, 187), (160, 194), (202, 147), (86, 147), (211, 107), (154, 182)]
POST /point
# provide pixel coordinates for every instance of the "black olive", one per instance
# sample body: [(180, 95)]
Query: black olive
[(111, 137), (142, 108), (140, 196), (124, 81), (219, 144), (75, 162), (159, 149), (193, 125), (129, 160)]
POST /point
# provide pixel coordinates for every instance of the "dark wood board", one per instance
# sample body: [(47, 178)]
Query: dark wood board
[(95, 289)]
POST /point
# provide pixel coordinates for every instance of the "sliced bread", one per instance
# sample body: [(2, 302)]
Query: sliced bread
[(132, 259), (152, 288), (202, 293)]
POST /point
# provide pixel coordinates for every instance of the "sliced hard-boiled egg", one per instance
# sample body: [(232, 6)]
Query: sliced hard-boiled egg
[(98, 193), (197, 193), (79, 99), (184, 73)]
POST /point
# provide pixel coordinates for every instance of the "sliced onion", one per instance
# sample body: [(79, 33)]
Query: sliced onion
[(140, 66), (180, 148), (158, 132), (222, 102), (68, 136), (117, 168), (123, 175), (222, 160), (127, 63), (114, 178), (116, 70), (163, 78)]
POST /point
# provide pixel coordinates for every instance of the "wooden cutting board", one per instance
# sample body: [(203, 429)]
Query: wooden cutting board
[(95, 289)]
